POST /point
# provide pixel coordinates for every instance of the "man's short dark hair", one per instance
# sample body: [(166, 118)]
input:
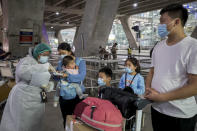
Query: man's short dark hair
[(67, 60), (176, 11), (107, 71)]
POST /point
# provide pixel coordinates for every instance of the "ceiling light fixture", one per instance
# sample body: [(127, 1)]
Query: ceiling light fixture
[(135, 5), (51, 27), (57, 13)]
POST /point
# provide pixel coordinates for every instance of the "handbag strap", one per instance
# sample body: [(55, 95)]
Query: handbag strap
[(131, 80), (125, 80)]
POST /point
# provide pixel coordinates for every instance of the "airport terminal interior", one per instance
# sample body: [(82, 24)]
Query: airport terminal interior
[(103, 33)]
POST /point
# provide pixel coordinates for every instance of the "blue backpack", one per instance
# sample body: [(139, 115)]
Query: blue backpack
[(68, 92)]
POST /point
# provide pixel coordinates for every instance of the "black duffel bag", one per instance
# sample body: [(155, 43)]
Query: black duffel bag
[(125, 101)]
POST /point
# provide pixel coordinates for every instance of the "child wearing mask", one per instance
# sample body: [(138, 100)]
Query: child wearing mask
[(104, 79), (132, 80), (69, 67)]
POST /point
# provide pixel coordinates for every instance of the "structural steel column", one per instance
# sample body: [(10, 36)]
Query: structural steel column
[(59, 37), (76, 33), (1, 24), (96, 26), (19, 15), (194, 33), (1, 31), (127, 30)]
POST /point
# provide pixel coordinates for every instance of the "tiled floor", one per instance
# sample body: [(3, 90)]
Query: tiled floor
[(53, 118)]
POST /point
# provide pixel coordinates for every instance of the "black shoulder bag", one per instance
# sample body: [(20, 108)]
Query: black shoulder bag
[(128, 88)]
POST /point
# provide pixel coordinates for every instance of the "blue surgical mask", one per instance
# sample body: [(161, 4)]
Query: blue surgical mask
[(62, 56), (162, 30), (43, 59), (101, 82), (128, 70)]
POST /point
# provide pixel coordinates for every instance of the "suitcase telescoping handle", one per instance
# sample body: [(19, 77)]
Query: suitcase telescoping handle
[(93, 108), (141, 103)]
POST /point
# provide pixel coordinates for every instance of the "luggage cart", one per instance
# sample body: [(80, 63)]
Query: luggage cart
[(140, 104)]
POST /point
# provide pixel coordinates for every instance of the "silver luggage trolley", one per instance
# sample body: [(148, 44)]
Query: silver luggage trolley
[(140, 104)]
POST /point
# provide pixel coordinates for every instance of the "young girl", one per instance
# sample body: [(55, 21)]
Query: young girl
[(132, 78)]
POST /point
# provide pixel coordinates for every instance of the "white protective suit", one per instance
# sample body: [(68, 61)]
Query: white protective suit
[(24, 110)]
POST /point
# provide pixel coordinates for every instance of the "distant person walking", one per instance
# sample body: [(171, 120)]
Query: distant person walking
[(113, 51), (129, 52)]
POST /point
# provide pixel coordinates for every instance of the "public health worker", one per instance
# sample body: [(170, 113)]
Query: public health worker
[(25, 106)]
